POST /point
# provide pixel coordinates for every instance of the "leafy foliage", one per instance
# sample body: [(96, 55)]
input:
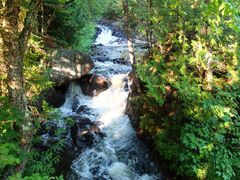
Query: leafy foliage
[(43, 162), (34, 177), (193, 75), (73, 25), (10, 152), (36, 74), (36, 80), (8, 156)]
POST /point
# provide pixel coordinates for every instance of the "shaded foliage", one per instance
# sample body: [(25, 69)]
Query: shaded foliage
[(74, 23), (192, 73)]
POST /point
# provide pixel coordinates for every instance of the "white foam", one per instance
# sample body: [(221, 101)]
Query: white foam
[(105, 37), (74, 91), (119, 171), (108, 158)]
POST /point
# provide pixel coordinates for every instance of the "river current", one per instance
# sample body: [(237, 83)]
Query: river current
[(119, 155)]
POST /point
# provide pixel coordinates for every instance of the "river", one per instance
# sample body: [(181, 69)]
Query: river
[(117, 154)]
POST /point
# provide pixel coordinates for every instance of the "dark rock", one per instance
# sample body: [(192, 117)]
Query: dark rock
[(126, 88), (92, 85), (44, 145), (134, 109), (82, 122), (93, 45), (54, 96), (69, 65), (67, 155), (96, 45), (83, 133), (82, 109), (120, 61), (101, 59), (98, 31)]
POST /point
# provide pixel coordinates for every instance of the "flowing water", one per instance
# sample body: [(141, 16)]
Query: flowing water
[(119, 155)]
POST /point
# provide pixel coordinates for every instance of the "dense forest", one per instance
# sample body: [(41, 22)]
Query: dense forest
[(184, 100)]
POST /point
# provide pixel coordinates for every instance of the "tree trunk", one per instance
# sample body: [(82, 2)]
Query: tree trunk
[(209, 73), (11, 53), (149, 25), (130, 44), (42, 19), (128, 33), (14, 47)]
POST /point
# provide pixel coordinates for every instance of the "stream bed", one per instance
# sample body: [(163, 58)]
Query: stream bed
[(114, 151)]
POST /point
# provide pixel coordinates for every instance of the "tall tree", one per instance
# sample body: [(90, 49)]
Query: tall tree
[(14, 42), (128, 33), (130, 42), (11, 53), (149, 30)]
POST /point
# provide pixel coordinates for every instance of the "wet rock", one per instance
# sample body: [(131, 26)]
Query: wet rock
[(134, 108), (82, 109), (120, 61), (94, 84), (82, 122), (54, 96), (126, 87), (96, 45), (69, 65), (98, 31), (84, 133), (67, 155), (50, 134), (93, 45), (44, 146), (101, 59)]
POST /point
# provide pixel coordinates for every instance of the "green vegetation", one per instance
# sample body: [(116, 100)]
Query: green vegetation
[(37, 28), (191, 101), (74, 25), (192, 74)]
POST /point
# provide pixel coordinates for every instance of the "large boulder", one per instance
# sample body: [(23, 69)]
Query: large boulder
[(69, 65), (93, 84)]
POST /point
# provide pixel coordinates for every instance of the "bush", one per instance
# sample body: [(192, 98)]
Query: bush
[(193, 75)]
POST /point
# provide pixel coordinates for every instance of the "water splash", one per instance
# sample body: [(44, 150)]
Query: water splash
[(119, 155), (105, 37), (73, 93)]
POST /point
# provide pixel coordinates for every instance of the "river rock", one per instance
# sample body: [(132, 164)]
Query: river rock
[(84, 132), (134, 109), (82, 109), (101, 59), (69, 65), (54, 96), (120, 61), (98, 31), (94, 84)]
